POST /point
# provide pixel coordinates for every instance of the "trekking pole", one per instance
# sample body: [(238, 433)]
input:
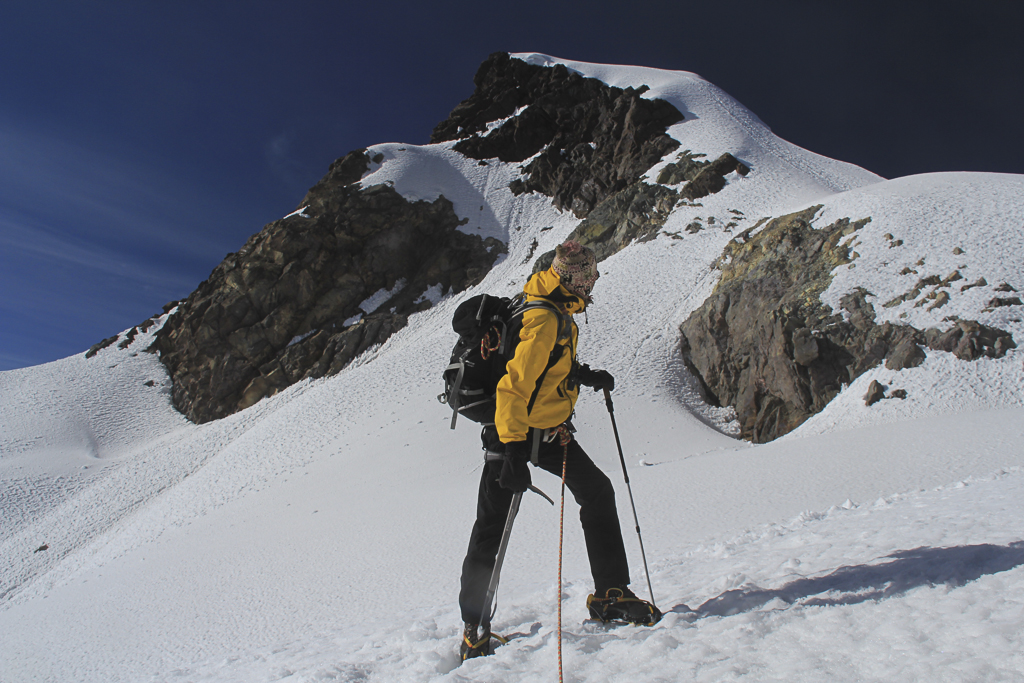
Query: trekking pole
[(625, 475)]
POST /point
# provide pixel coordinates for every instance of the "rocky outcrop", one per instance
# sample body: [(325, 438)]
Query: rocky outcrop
[(701, 177), (634, 214), (638, 212), (968, 340), (765, 344), (311, 291), (593, 140), (875, 393), (129, 336), (100, 345)]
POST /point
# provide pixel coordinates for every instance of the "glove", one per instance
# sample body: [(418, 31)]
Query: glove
[(599, 379), (515, 468)]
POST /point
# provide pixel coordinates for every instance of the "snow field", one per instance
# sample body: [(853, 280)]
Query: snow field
[(968, 223), (908, 586), (318, 535)]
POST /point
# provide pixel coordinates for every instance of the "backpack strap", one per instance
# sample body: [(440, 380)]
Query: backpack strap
[(554, 357), (456, 388)]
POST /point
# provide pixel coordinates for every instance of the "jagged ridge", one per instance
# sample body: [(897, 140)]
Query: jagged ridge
[(285, 306), (593, 139)]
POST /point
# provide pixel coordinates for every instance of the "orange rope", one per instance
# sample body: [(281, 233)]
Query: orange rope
[(486, 348), (564, 438)]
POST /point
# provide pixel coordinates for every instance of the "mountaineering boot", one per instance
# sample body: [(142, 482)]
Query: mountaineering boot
[(478, 644), (621, 604), (474, 645)]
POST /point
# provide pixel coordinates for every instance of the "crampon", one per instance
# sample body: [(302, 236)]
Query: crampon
[(479, 644), (620, 605)]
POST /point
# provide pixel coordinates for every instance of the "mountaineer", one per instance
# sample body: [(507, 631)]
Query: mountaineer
[(534, 403)]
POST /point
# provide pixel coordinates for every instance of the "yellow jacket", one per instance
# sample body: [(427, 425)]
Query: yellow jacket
[(553, 396)]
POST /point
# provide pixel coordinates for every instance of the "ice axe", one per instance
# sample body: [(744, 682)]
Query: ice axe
[(492, 586)]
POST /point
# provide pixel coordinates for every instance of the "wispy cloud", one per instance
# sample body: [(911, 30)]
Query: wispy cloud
[(98, 197), (91, 244), (13, 361), (62, 250)]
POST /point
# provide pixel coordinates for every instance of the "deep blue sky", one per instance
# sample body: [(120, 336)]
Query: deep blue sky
[(141, 141)]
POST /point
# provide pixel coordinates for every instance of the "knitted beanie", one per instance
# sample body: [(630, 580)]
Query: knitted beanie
[(576, 266)]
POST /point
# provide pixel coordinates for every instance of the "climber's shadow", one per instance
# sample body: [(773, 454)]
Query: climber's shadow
[(896, 574)]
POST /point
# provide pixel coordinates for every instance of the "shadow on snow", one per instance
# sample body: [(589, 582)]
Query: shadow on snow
[(898, 573)]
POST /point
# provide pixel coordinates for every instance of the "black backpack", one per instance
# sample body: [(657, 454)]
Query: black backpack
[(488, 328)]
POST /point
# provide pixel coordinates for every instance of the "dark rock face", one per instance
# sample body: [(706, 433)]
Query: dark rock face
[(907, 354), (638, 212), (701, 177), (970, 340), (998, 301), (129, 336), (765, 344), (711, 178), (594, 139), (684, 169), (286, 306)]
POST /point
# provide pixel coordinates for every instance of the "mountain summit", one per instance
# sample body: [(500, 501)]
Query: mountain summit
[(624, 153)]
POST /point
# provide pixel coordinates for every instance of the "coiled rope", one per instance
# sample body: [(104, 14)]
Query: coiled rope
[(487, 346)]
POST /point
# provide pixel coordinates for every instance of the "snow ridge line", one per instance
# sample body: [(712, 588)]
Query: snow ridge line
[(762, 135)]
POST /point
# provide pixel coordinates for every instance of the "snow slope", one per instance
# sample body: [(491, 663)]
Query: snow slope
[(319, 534)]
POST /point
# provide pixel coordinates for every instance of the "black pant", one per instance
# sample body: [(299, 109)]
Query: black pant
[(593, 492)]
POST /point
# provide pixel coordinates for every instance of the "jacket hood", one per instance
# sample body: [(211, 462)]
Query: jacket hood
[(547, 285)]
